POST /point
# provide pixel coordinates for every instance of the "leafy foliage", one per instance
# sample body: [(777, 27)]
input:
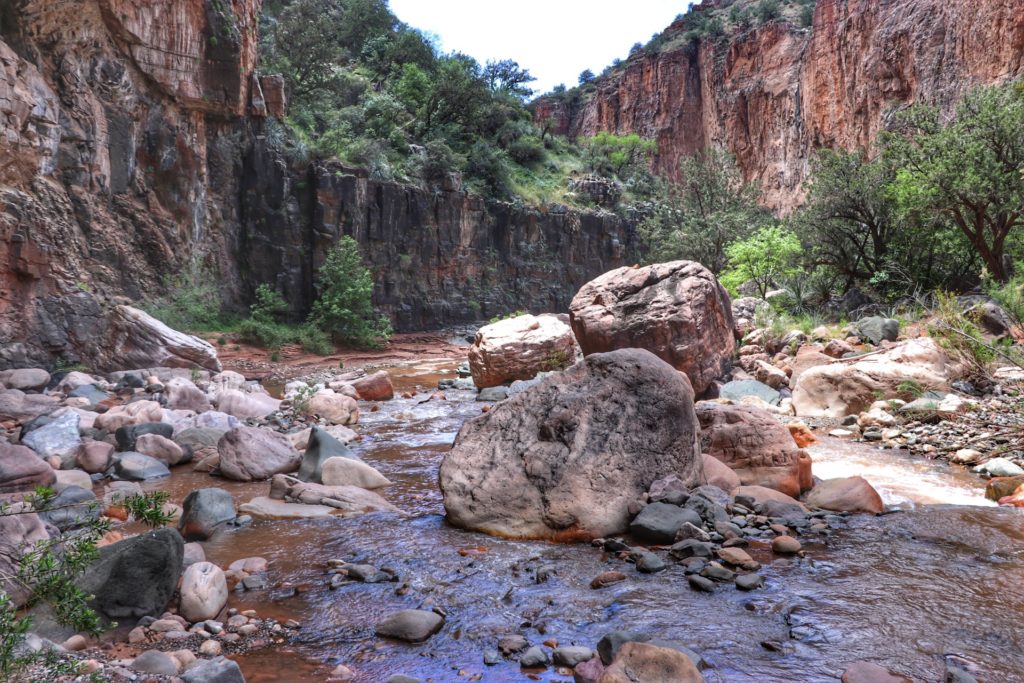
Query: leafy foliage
[(192, 299), (710, 208), (764, 258), (345, 309), (616, 155)]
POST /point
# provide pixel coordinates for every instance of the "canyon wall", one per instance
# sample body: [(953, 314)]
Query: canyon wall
[(137, 136), (775, 93)]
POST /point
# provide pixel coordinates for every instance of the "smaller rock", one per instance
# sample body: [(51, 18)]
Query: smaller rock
[(155, 662), (534, 658), (607, 579), (749, 582), (571, 655), (699, 583), (867, 672), (216, 670), (786, 545), (1000, 467), (139, 467), (410, 625)]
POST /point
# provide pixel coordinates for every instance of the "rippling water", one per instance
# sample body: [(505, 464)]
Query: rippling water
[(904, 590)]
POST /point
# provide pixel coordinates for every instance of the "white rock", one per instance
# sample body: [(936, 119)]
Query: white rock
[(204, 592), (349, 472)]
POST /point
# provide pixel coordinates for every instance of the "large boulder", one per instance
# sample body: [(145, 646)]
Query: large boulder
[(519, 348), (849, 387), (136, 339), (26, 379), (375, 387), (21, 470), (566, 458), (352, 472), (135, 577), (251, 454), (321, 446), (73, 507), (183, 394), (755, 446), (677, 310), (59, 438), (139, 412)]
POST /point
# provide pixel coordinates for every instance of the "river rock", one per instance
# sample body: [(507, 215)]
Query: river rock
[(849, 494), (566, 458), (135, 577), (844, 388), (204, 592), (717, 473), (651, 664), (785, 545), (136, 339), (348, 500), (375, 387), (160, 448), (321, 447), (589, 671), (216, 670), (350, 472), (66, 478), (1000, 467), (868, 672), (336, 408), (534, 658), (91, 394), (519, 348), (94, 457), (76, 380), (877, 329), (245, 405), (19, 533), (21, 470), (739, 389), (17, 406), (136, 413), (761, 494), (183, 394), (571, 655), (73, 507), (755, 446), (997, 487), (58, 438), (340, 432), (155, 662), (138, 467), (264, 507), (676, 310), (127, 436), (252, 454), (213, 419), (410, 625), (25, 379), (660, 522), (204, 511)]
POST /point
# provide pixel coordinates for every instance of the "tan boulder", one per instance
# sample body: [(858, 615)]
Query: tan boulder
[(341, 471), (130, 414), (94, 456), (717, 473), (161, 448), (849, 387), (648, 663), (375, 387), (182, 394), (849, 494), (337, 409), (21, 470), (242, 404), (753, 443), (678, 311), (519, 348), (204, 592), (763, 494), (250, 454)]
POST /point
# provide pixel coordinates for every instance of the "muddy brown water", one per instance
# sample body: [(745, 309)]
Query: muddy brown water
[(905, 590)]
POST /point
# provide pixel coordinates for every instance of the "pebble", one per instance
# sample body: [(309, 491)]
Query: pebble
[(210, 648)]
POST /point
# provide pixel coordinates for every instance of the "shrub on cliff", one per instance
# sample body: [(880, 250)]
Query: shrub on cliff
[(191, 299), (345, 307)]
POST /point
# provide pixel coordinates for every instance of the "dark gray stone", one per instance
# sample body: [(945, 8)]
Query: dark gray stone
[(659, 522), (609, 645), (650, 563), (90, 392), (155, 662), (877, 329), (534, 657), (322, 446), (699, 583), (204, 511), (72, 507), (126, 436), (493, 394), (737, 389), (133, 466), (410, 625), (749, 582), (216, 670), (136, 577)]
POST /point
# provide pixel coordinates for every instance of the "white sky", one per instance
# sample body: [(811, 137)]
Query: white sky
[(554, 39)]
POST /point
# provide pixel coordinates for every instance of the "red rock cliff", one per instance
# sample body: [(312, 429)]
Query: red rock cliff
[(775, 93)]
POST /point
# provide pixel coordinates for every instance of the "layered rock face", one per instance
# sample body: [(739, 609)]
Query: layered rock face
[(776, 93), (136, 139)]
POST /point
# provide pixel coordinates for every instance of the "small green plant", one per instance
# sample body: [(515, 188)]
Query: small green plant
[(195, 374), (222, 341), (300, 400), (274, 357), (911, 388), (191, 302), (507, 316), (558, 360)]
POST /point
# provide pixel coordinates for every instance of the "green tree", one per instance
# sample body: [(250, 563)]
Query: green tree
[(699, 217), (969, 168), (586, 76), (506, 76), (611, 154), (345, 306), (764, 258)]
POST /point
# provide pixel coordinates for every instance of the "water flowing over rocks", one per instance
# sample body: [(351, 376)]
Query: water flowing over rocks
[(535, 466), (678, 311)]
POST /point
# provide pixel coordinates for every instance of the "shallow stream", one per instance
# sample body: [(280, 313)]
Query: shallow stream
[(941, 577)]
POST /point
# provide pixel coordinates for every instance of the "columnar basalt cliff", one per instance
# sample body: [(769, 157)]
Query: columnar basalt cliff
[(777, 92), (135, 138)]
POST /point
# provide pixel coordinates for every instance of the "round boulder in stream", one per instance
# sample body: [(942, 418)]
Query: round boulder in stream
[(564, 459)]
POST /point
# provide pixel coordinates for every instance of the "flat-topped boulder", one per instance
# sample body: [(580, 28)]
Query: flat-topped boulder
[(566, 458), (519, 348)]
